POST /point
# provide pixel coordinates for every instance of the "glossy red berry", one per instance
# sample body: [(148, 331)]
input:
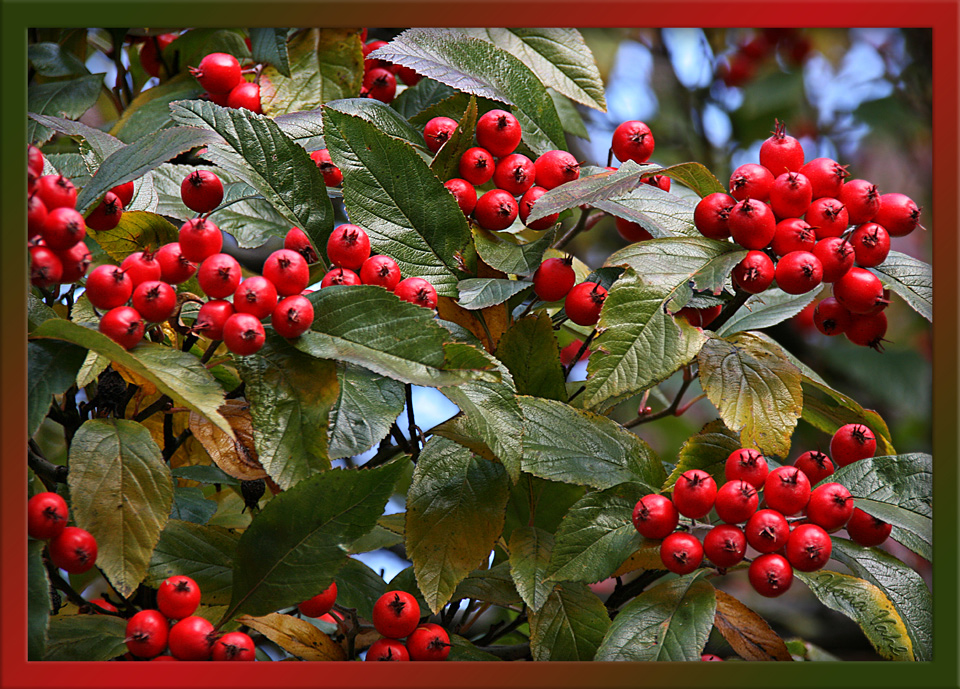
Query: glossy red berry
[(387, 650), (554, 279), (861, 199), (632, 140), (141, 266), (725, 545), (438, 131), (871, 244), (63, 228), (408, 76), (243, 334), (754, 273), (496, 210), (147, 633), (75, 261), (36, 215), (655, 516), (867, 330), (218, 72), (256, 295), (34, 160), (867, 530), (234, 646), (555, 168), (787, 490), (297, 240), (106, 215), (332, 176), (178, 597), (526, 204), (47, 516), (154, 300), (826, 177), (700, 318), (211, 318), (584, 302), (219, 276), (830, 506), (767, 531), (429, 642), (836, 257), (293, 316), (56, 191), (46, 268), (816, 465), (123, 325), (245, 95), (662, 182), (321, 603), (396, 614), (851, 443), (781, 152), (828, 216), (798, 272), (199, 238), (476, 166), (124, 192), (515, 173), (192, 638), (859, 290), (175, 268), (748, 465), (380, 84), (694, 493), (464, 193), (808, 548), (790, 195), (709, 657), (752, 224), (201, 191), (681, 553), (74, 550), (380, 270), (631, 231), (751, 181), (288, 272), (108, 287), (736, 501), (340, 276), (499, 132), (770, 575), (712, 213), (793, 234), (417, 291), (348, 247), (898, 214)]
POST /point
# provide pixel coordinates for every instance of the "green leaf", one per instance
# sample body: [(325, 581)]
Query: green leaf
[(137, 230), (767, 309), (176, 374), (494, 585), (755, 388), (482, 69), (911, 279), (904, 587), (255, 150), (270, 46), (530, 550), (590, 189), (86, 637), (561, 443), (324, 65), (660, 213), (461, 649), (203, 553), (380, 537), (150, 110), (190, 505), (70, 165), (359, 587), (827, 410), (695, 176), (52, 367), (530, 350), (866, 605), (570, 117), (454, 515), (252, 222), (708, 451), (192, 46), (559, 58), (37, 312), (296, 545), (669, 622), (69, 99), (389, 190), (304, 128), (446, 163), (205, 473), (290, 395), (121, 492), (384, 118), (53, 60), (639, 345), (38, 601), (101, 143), (425, 94), (550, 501), (481, 293), (595, 535), (367, 404), (570, 625), (501, 251)]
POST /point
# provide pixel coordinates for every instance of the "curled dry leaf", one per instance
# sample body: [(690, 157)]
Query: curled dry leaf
[(295, 636), (238, 458)]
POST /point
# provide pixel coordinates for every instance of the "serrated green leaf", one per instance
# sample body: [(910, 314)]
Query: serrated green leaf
[(707, 451), (570, 117), (203, 553), (549, 501), (766, 309), (461, 649), (530, 550), (827, 410), (482, 293), (150, 110), (454, 516), (53, 60), (359, 587), (570, 625), (86, 637), (367, 404), (52, 367), (304, 128), (446, 163), (379, 538), (38, 601), (252, 222), (60, 98), (502, 252), (660, 213), (494, 585), (384, 118), (37, 312), (426, 93), (695, 176), (101, 143), (911, 279), (270, 46), (530, 351), (190, 505), (591, 189), (137, 230)]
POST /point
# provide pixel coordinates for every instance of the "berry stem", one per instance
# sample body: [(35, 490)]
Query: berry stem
[(528, 309), (49, 473), (575, 230), (415, 433), (688, 378), (580, 353), (731, 307)]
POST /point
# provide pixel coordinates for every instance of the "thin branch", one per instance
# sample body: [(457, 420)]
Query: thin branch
[(500, 630), (575, 230), (624, 592), (669, 411), (49, 473), (515, 652), (731, 308), (583, 350)]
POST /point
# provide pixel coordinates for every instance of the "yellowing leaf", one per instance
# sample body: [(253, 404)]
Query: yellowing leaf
[(295, 636), (238, 458), (746, 632)]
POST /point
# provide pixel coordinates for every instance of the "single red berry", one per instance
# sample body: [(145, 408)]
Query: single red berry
[(826, 177), (754, 273), (348, 247), (526, 204), (554, 279), (288, 272), (100, 603), (767, 531), (46, 268), (815, 464), (632, 140), (211, 318), (694, 493), (770, 575), (243, 334), (861, 199), (47, 515), (396, 614), (808, 548), (793, 234), (871, 244), (340, 276), (108, 287), (201, 191), (417, 291), (63, 228), (106, 215), (438, 131), (36, 215), (859, 290), (851, 443), (867, 330), (150, 52), (828, 216), (388, 650), (790, 195), (380, 270), (699, 318), (155, 300), (321, 603), (297, 240), (830, 506), (736, 501), (178, 597), (725, 545), (709, 657), (192, 638), (220, 275), (381, 84), (464, 193), (56, 191), (748, 465), (752, 224), (584, 302), (496, 210), (74, 550), (256, 295), (898, 214), (370, 64), (499, 132), (836, 257), (712, 213), (124, 192), (218, 72), (175, 268), (332, 176), (681, 553), (245, 95), (655, 516), (199, 238), (631, 231), (867, 530), (798, 272), (555, 168), (787, 490), (408, 76), (141, 266), (123, 325), (568, 353), (428, 642), (781, 152), (662, 182), (234, 646), (147, 633), (293, 316), (34, 160), (515, 173), (751, 181), (476, 166)]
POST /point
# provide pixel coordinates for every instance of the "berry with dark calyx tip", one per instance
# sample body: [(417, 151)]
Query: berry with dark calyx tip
[(861, 199), (56, 191), (694, 493), (348, 247), (476, 166), (767, 531), (867, 530), (781, 152), (798, 272), (108, 287), (36, 215), (438, 131), (631, 231), (859, 290), (712, 213), (211, 318), (515, 173), (256, 295), (754, 273), (429, 642), (218, 72), (871, 244), (34, 160), (234, 646), (340, 276), (141, 266), (387, 650), (655, 516), (332, 176), (836, 257), (808, 548), (464, 193), (898, 214), (63, 228), (752, 224), (297, 240), (251, 491), (725, 545), (699, 318), (123, 325), (584, 302), (417, 291), (790, 195), (47, 516), (496, 210), (787, 490), (124, 192), (288, 272), (380, 270), (199, 238), (155, 300), (555, 168), (201, 191), (147, 633), (793, 234), (46, 268), (736, 501), (770, 575), (174, 266), (751, 181), (192, 638), (815, 464), (867, 330), (178, 597), (243, 334), (746, 464), (526, 206), (662, 182), (219, 276), (396, 614), (245, 95), (499, 132), (681, 553), (830, 506), (321, 603), (380, 84), (632, 140), (293, 316), (828, 217), (106, 215), (74, 550), (826, 177), (554, 279), (709, 657)]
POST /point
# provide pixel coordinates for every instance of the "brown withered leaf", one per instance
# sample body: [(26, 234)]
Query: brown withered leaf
[(647, 556), (748, 633), (295, 636), (236, 458), (147, 389)]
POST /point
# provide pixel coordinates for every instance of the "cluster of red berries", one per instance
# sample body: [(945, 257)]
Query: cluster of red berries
[(396, 615), (380, 76), (221, 75), (741, 65), (149, 632), (783, 544), (71, 548), (555, 280), (809, 225)]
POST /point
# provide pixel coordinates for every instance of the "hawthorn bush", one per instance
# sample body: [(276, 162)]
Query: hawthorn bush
[(214, 436)]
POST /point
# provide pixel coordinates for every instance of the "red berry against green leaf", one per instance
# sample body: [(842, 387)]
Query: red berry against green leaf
[(830, 506), (770, 575), (736, 501), (63, 228), (141, 266), (321, 603), (288, 272), (332, 176), (385, 649), (496, 210), (348, 247), (836, 256), (798, 272), (108, 287), (867, 530), (201, 191), (725, 545), (56, 191), (554, 279), (417, 291), (192, 638), (380, 270), (218, 72), (47, 515), (245, 95), (106, 215), (712, 214), (754, 274), (816, 465), (584, 302), (243, 334), (147, 633), (751, 181), (123, 325), (851, 443), (175, 268), (428, 642), (340, 276), (464, 192), (767, 531), (515, 173), (861, 199), (555, 168), (808, 548), (235, 646), (46, 268), (655, 516), (396, 614), (871, 244), (867, 330), (154, 300), (297, 240), (499, 132), (219, 276), (786, 490), (526, 204), (438, 131), (681, 553), (199, 238), (74, 550), (752, 224), (257, 296), (748, 465), (178, 597), (476, 166), (898, 214), (694, 493), (212, 317)]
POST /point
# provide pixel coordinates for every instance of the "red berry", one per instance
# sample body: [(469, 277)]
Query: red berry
[(288, 272), (199, 238), (752, 224), (751, 181), (321, 603), (396, 614), (63, 228), (370, 64), (826, 177), (256, 295), (859, 290), (793, 234), (861, 199), (898, 214), (34, 160), (662, 182), (809, 548), (464, 193), (46, 268), (584, 302), (712, 213), (387, 649), (830, 506), (409, 77), (787, 490), (155, 300), (828, 217), (192, 638), (851, 443), (150, 52), (234, 646), (681, 553), (340, 276), (568, 353), (297, 240), (175, 268), (632, 140), (655, 516), (799, 272), (725, 545), (381, 84), (754, 273), (211, 318), (106, 215), (694, 493), (790, 195), (56, 191), (332, 176), (438, 131), (293, 316), (476, 166), (746, 465), (124, 192), (815, 464), (738, 70), (141, 266), (178, 597), (108, 287), (867, 530), (709, 657), (47, 515), (245, 95), (380, 270), (243, 334), (781, 152), (867, 330), (515, 173), (74, 550), (554, 279), (526, 204), (555, 168), (123, 325), (770, 575), (201, 191), (417, 291), (767, 531), (499, 132), (220, 275), (348, 247), (496, 210), (871, 244), (736, 501), (836, 257), (218, 72), (147, 633), (631, 231), (429, 642), (36, 215)]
